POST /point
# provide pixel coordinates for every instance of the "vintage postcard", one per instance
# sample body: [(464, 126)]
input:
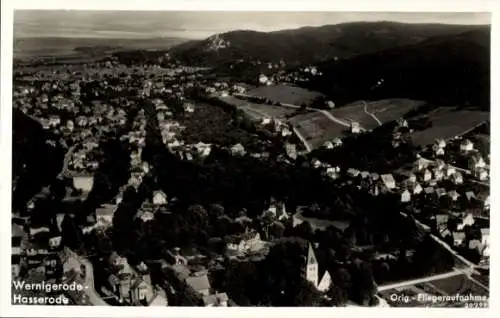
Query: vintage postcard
[(230, 158)]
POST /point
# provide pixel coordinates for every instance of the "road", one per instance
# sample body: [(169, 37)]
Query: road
[(67, 157), (94, 298), (324, 112), (303, 139), (456, 272)]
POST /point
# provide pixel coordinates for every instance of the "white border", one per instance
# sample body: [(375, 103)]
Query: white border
[(217, 5)]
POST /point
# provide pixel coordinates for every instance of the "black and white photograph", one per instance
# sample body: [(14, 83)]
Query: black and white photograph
[(250, 159)]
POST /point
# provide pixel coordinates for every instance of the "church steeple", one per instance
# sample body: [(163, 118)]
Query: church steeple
[(312, 267)]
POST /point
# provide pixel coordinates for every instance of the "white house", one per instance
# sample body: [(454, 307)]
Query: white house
[(482, 174), (453, 194), (405, 196), (355, 127), (238, 150), (475, 244), (457, 178), (388, 181), (427, 175), (466, 146), (468, 220), (438, 174), (450, 170), (417, 188), (83, 183)]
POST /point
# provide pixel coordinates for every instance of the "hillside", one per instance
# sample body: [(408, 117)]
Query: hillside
[(31, 169), (445, 70), (310, 44)]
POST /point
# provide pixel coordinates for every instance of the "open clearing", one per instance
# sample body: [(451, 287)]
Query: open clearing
[(258, 111), (385, 110), (317, 128), (287, 94), (448, 123)]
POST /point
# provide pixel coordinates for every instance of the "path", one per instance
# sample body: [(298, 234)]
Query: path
[(365, 109), (67, 157), (303, 139), (89, 285), (456, 272)]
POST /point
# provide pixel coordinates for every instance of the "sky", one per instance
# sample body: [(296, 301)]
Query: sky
[(196, 25)]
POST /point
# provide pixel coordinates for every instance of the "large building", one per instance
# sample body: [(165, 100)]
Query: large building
[(312, 272)]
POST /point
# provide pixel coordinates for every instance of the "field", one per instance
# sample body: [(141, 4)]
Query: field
[(317, 128), (211, 124), (448, 123), (385, 110), (258, 111), (286, 94)]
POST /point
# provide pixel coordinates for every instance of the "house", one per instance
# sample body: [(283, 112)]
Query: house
[(277, 210), (440, 192), (485, 236), (203, 149), (159, 197), (355, 127), (470, 195), (438, 174), (405, 196), (427, 175), (216, 300), (466, 146), (421, 164), (238, 150), (312, 272), (439, 151), (316, 163), (353, 172), (476, 162), (291, 150), (175, 257), (457, 178), (332, 172), (104, 214), (55, 242), (482, 174), (442, 221), (337, 142), (417, 188), (84, 183), (475, 244), (458, 238), (466, 221), (412, 178), (487, 203), (453, 194), (388, 181), (375, 176), (365, 174), (440, 143), (450, 170)]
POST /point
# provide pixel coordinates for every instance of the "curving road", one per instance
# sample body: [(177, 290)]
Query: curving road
[(365, 109)]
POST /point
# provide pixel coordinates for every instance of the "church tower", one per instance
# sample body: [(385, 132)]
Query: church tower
[(312, 267)]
